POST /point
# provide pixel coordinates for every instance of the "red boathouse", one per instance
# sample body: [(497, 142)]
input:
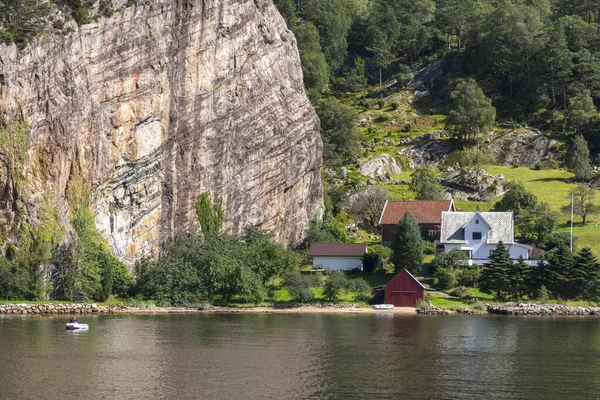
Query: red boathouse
[(404, 290)]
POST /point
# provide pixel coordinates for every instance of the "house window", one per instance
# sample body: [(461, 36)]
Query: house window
[(476, 235), (432, 233), (476, 222)]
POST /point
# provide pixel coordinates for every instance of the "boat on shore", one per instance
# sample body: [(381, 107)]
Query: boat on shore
[(383, 306)]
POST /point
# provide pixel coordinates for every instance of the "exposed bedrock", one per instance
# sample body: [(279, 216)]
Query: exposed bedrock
[(157, 104)]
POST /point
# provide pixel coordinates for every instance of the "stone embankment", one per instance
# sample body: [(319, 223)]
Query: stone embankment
[(86, 309), (432, 310), (540, 309)]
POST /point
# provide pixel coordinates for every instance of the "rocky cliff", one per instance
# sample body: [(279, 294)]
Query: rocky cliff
[(143, 111)]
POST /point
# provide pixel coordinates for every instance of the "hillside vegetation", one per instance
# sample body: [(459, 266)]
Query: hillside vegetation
[(481, 93)]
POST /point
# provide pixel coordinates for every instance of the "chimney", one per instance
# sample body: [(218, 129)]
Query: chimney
[(477, 209)]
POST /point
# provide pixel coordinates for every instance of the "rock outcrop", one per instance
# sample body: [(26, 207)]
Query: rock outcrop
[(381, 167), (525, 147), (471, 183), (145, 110)]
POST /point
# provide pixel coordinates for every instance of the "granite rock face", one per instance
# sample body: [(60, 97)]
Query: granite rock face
[(146, 110)]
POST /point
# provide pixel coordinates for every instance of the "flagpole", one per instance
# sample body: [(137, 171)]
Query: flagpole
[(571, 223)]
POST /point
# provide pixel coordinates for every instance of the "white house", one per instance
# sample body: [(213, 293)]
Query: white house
[(341, 256), (478, 233)]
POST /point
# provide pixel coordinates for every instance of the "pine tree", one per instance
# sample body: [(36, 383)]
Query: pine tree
[(578, 159), (407, 245), (495, 275), (587, 262), (521, 278), (559, 271)]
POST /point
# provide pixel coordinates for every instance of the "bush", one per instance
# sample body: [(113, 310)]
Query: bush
[(444, 279), (380, 104), (361, 290), (80, 297), (408, 127), (299, 285), (422, 305), (461, 292), (6, 37), (543, 294), (82, 15), (336, 283), (395, 105)]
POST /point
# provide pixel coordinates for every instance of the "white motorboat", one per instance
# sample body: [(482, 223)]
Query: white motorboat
[(383, 306), (76, 326)]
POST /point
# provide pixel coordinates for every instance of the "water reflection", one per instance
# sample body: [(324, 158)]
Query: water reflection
[(300, 356)]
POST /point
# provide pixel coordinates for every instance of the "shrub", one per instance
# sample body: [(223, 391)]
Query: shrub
[(543, 294), (380, 104), (299, 286), (408, 127), (461, 292), (80, 297), (82, 15), (444, 279), (395, 105), (6, 37), (361, 290), (422, 305), (336, 283), (59, 24)]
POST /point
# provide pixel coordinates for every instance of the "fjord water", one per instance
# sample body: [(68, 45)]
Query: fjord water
[(299, 356)]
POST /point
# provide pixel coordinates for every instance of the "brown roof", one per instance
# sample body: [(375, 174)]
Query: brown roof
[(338, 249), (424, 211)]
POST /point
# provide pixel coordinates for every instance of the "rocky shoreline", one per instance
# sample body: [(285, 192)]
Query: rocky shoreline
[(518, 309), (95, 309), (540, 309)]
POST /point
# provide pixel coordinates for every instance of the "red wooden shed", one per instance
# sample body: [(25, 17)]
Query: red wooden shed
[(404, 290)]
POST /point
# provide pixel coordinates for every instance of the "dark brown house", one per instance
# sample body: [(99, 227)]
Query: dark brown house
[(428, 214), (402, 291)]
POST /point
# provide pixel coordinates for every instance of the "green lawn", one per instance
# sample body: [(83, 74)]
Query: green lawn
[(548, 185)]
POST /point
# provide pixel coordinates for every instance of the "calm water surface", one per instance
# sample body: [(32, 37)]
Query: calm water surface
[(300, 356)]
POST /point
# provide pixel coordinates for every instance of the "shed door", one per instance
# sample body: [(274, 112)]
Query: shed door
[(403, 299)]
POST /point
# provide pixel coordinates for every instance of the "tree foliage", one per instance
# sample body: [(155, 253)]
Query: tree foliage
[(218, 268), (407, 245), (209, 217), (338, 130), (578, 159), (472, 112), (426, 185), (584, 202)]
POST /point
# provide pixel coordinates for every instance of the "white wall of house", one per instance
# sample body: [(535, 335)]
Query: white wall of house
[(478, 248), (337, 263), (480, 253)]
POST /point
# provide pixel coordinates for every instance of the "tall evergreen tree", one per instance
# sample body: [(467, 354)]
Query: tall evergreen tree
[(495, 275), (521, 278), (407, 245), (588, 264), (578, 159), (558, 272)]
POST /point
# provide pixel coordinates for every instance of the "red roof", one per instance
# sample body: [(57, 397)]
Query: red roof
[(424, 211), (338, 249)]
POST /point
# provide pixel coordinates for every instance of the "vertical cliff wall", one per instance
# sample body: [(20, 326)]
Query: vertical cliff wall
[(144, 111)]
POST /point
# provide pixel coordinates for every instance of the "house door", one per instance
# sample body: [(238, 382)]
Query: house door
[(403, 299)]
